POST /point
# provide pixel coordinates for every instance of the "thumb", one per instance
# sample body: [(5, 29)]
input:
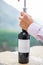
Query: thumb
[(22, 13)]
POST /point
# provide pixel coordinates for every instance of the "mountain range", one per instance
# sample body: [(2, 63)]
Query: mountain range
[(8, 17)]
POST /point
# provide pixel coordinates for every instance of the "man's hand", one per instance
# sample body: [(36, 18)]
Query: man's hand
[(25, 20)]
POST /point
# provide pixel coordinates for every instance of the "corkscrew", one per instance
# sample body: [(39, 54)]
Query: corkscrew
[(24, 9)]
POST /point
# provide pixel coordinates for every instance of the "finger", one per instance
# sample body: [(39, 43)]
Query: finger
[(23, 26), (22, 13), (21, 17), (19, 20)]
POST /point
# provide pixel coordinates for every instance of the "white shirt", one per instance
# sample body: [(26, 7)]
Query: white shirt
[(36, 31)]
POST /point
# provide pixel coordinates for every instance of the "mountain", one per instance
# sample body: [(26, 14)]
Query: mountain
[(8, 17)]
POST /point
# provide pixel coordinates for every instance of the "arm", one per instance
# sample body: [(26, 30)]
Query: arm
[(27, 23)]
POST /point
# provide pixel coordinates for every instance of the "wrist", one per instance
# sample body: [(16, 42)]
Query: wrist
[(29, 25)]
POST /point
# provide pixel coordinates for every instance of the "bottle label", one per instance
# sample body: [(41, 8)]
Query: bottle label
[(23, 46)]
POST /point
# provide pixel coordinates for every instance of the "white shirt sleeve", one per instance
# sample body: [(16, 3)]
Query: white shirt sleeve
[(36, 31)]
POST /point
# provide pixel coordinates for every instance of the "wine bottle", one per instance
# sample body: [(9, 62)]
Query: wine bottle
[(23, 47), (23, 44)]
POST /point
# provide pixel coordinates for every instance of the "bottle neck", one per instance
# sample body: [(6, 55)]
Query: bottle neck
[(24, 30)]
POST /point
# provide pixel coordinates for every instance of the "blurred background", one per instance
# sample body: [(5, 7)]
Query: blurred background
[(9, 27)]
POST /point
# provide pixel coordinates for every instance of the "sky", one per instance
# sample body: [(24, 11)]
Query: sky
[(34, 7)]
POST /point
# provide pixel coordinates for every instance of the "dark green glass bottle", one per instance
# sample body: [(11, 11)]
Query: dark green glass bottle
[(23, 47)]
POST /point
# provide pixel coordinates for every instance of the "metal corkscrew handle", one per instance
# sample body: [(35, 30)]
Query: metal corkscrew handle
[(24, 9)]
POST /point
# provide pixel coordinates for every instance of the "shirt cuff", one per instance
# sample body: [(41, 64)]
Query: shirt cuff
[(33, 29)]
